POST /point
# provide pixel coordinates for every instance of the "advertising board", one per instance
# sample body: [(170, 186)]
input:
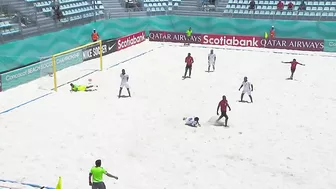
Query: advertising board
[(293, 44), (130, 40), (175, 37), (330, 45), (29, 73), (231, 40), (108, 46), (240, 41)]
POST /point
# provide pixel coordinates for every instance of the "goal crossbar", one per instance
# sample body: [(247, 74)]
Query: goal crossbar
[(53, 58)]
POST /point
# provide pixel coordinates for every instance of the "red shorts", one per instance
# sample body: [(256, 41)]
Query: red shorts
[(293, 70)]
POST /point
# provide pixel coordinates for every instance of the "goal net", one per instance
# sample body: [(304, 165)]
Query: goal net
[(59, 69)]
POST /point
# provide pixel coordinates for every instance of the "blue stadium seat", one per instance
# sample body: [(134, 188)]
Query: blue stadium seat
[(7, 28), (160, 5), (75, 9)]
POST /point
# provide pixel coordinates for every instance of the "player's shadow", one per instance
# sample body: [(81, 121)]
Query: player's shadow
[(124, 96), (219, 124), (209, 71), (190, 126), (244, 101)]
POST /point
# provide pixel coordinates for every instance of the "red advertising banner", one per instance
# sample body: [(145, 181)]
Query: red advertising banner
[(130, 40), (231, 40), (239, 41), (175, 37), (293, 44), (209, 39)]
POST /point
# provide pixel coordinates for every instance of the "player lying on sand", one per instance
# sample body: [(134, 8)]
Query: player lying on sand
[(76, 88), (192, 121)]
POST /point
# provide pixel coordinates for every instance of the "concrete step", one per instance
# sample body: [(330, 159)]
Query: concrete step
[(190, 4), (188, 8), (117, 4), (30, 30), (117, 15), (184, 1), (116, 9)]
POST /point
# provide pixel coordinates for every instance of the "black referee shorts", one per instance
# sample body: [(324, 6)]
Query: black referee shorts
[(188, 38), (98, 185)]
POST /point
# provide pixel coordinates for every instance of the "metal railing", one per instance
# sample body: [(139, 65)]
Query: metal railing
[(293, 16)]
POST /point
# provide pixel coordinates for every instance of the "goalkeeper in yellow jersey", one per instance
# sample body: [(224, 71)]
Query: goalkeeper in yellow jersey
[(76, 88)]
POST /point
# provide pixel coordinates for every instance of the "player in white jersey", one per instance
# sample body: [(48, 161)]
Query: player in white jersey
[(247, 88), (124, 82), (192, 121), (211, 60)]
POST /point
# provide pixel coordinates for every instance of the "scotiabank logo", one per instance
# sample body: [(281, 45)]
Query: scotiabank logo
[(231, 40), (131, 40)]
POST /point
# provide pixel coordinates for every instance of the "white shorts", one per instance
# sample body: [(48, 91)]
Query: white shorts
[(211, 63), (122, 85), (191, 123), (248, 92)]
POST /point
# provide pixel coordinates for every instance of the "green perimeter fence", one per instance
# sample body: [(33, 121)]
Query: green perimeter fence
[(24, 52)]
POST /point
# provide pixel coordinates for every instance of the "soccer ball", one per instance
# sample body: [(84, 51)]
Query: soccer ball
[(90, 80)]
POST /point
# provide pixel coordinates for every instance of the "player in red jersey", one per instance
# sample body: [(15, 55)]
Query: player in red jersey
[(189, 60), (293, 63), (223, 105)]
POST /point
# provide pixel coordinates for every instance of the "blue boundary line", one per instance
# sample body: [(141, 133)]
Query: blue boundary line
[(25, 103), (28, 184), (35, 99)]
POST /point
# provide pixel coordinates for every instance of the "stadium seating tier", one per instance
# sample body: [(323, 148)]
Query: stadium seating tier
[(160, 5), (268, 7), (71, 9)]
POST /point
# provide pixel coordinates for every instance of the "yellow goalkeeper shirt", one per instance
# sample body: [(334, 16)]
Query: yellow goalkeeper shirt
[(79, 88)]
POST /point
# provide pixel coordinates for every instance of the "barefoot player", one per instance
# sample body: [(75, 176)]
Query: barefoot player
[(124, 82), (211, 60), (192, 121), (189, 60), (293, 63), (223, 105), (247, 88)]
